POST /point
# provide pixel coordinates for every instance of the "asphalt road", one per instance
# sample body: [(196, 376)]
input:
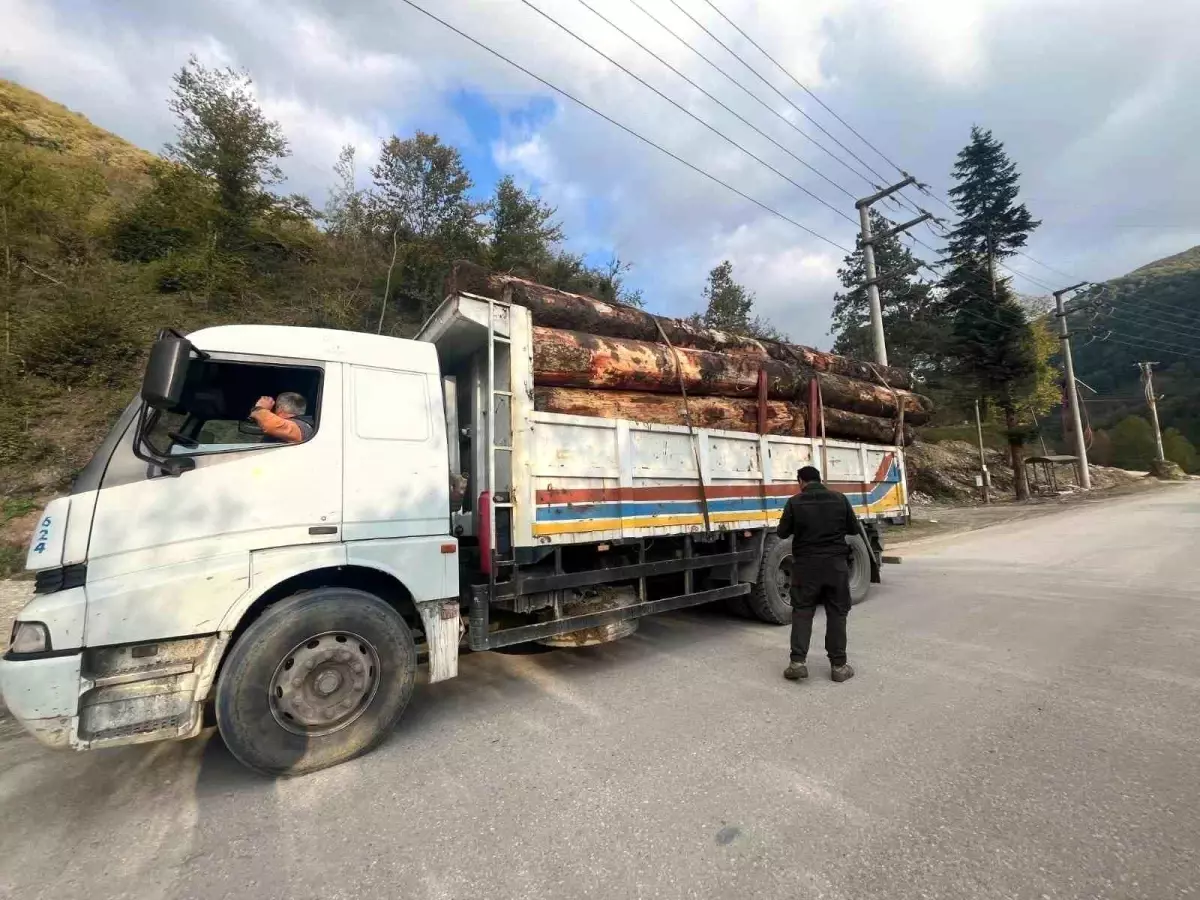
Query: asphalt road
[(1025, 723)]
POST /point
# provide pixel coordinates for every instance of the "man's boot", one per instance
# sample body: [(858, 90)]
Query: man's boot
[(842, 673), (795, 671)]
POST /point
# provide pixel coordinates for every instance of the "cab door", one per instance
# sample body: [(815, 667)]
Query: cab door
[(396, 468), (169, 555)]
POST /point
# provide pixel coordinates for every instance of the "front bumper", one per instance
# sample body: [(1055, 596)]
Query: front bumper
[(43, 695), (107, 696)]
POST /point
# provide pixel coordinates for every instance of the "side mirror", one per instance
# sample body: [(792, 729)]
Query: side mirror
[(166, 371)]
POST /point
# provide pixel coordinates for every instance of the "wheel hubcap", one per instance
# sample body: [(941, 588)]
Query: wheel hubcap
[(324, 683), (783, 576)]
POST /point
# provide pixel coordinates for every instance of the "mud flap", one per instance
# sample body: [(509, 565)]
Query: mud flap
[(443, 630)]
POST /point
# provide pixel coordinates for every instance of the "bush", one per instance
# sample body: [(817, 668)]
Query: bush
[(1133, 444), (86, 337), (1179, 450)]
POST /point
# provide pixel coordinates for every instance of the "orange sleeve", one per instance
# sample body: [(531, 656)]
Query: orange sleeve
[(277, 426)]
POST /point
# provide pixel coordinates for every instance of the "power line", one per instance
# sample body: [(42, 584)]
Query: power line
[(792, 125), (724, 106), (802, 87), (782, 95), (1170, 328), (625, 128), (1147, 344), (922, 188), (1161, 308), (687, 111)]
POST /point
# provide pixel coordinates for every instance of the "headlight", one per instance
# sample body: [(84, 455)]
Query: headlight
[(29, 637)]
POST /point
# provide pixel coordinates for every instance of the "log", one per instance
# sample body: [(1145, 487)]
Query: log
[(553, 308), (723, 413), (853, 426), (573, 359)]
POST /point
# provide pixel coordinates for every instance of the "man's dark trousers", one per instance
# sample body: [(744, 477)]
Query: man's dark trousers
[(824, 581)]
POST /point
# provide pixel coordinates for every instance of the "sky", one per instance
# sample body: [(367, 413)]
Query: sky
[(1093, 99)]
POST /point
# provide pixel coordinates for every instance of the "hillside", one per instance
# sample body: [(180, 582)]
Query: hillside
[(1157, 308), (39, 123)]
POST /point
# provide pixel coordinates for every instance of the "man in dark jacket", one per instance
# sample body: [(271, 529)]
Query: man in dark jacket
[(818, 521)]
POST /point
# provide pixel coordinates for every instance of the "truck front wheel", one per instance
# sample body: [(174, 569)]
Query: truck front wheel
[(319, 678)]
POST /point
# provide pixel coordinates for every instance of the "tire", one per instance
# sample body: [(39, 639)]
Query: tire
[(860, 569), (769, 599), (358, 663)]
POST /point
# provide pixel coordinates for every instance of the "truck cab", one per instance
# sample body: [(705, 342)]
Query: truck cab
[(188, 524)]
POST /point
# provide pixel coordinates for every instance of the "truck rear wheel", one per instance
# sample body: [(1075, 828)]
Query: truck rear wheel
[(770, 598), (860, 569), (318, 679)]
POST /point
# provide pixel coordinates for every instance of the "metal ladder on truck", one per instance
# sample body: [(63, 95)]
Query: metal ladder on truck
[(499, 470)]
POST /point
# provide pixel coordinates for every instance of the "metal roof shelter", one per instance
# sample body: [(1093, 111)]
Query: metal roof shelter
[(1048, 483)]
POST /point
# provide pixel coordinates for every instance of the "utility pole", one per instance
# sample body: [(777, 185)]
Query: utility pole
[(1085, 475), (1148, 383), (983, 469), (868, 244)]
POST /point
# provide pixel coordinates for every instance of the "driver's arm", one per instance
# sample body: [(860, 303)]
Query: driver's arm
[(275, 426)]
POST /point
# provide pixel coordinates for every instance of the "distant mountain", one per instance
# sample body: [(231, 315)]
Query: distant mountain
[(1155, 316)]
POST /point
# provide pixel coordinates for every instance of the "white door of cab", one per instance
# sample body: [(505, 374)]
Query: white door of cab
[(396, 467)]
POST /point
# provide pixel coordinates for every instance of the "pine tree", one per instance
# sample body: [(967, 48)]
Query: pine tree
[(727, 303), (728, 306), (992, 346), (916, 332), (991, 223)]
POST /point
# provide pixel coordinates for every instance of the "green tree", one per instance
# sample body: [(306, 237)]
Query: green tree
[(345, 212), (422, 203), (524, 232), (916, 330), (223, 134), (991, 223), (728, 306), (1178, 449), (570, 272), (1133, 444), (992, 345)]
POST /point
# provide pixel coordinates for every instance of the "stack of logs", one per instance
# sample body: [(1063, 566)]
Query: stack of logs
[(592, 358)]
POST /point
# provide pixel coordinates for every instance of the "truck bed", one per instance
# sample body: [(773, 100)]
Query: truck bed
[(586, 479)]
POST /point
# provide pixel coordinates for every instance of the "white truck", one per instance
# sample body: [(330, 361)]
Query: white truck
[(291, 589)]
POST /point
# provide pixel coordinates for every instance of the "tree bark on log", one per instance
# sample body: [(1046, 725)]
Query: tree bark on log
[(573, 359), (724, 413), (852, 426), (553, 308)]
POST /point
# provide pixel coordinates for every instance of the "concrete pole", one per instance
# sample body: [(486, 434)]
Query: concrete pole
[(1148, 380), (983, 469), (867, 240), (877, 337), (1085, 475)]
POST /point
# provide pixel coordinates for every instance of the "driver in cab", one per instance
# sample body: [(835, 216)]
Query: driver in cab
[(277, 417)]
